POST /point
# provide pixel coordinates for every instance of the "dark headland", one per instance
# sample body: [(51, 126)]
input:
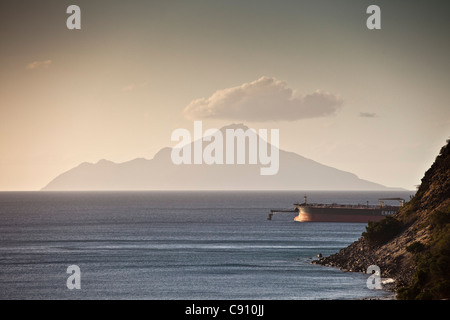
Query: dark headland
[(413, 246)]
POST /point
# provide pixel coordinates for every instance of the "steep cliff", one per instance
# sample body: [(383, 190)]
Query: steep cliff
[(413, 246)]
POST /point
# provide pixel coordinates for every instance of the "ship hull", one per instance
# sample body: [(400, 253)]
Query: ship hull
[(335, 214)]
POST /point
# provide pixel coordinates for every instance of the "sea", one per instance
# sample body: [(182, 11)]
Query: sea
[(175, 246)]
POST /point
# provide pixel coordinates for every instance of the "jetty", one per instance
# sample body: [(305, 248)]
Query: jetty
[(274, 211)]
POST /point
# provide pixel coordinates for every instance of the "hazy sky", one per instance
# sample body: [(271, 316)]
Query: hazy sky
[(372, 102)]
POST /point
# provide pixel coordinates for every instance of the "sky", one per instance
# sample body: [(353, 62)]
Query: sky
[(371, 102)]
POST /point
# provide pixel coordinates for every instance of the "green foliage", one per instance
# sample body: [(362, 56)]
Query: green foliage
[(411, 207), (431, 279), (415, 247), (440, 218), (382, 231)]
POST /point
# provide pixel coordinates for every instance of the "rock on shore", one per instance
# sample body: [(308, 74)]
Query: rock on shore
[(393, 260)]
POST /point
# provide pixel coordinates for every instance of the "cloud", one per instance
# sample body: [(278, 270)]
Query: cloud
[(39, 65), (265, 99), (129, 87), (133, 86), (367, 115)]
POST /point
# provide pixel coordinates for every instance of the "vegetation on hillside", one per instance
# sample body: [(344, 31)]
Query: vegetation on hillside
[(428, 212), (382, 231), (432, 277), (413, 246)]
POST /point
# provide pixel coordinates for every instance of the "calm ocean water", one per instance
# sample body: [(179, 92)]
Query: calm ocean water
[(174, 245)]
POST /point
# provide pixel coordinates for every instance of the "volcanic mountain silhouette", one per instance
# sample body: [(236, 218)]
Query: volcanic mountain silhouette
[(295, 173)]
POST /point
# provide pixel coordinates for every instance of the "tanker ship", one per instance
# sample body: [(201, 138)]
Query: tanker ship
[(316, 212)]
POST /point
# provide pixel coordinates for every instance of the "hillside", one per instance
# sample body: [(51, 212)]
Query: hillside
[(160, 173), (413, 246)]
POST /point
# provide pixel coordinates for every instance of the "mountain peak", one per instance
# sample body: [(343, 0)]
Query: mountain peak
[(160, 173), (234, 126), (164, 153), (104, 162)]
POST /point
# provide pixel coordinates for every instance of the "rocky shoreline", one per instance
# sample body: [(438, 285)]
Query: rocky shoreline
[(413, 246), (394, 264), (388, 284)]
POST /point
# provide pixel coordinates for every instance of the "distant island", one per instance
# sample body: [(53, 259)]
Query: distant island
[(295, 173), (413, 246)]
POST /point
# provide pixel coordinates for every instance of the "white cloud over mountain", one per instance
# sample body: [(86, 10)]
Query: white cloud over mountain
[(265, 99)]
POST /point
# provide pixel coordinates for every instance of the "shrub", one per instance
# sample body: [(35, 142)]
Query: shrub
[(415, 247), (440, 218), (382, 231), (430, 280)]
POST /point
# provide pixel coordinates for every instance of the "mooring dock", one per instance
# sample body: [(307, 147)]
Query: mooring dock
[(273, 211)]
